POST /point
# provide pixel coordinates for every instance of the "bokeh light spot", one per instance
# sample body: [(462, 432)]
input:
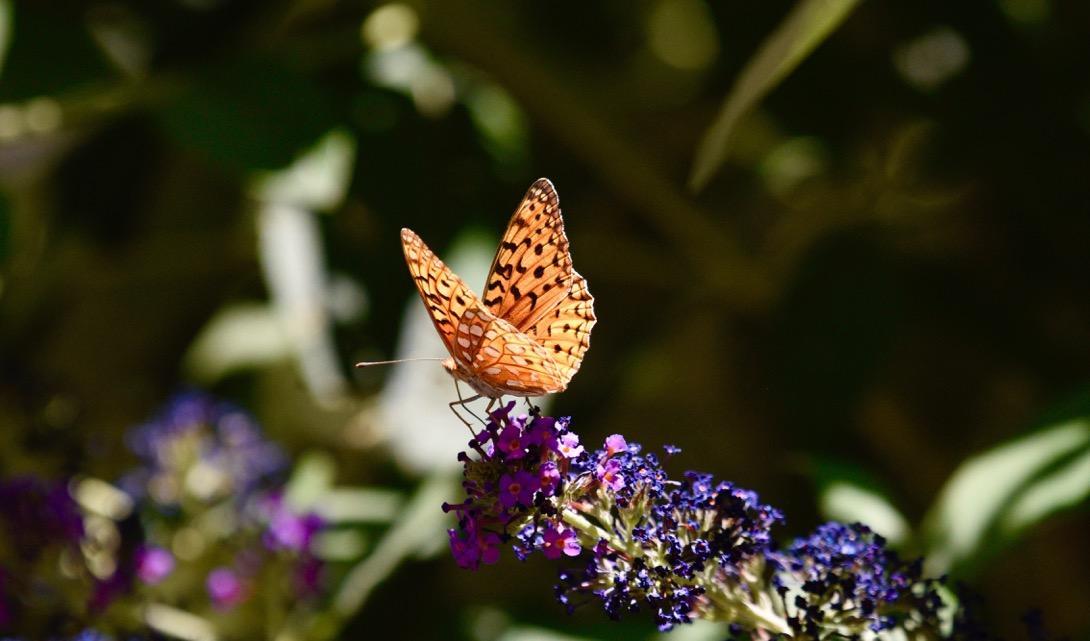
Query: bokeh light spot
[(682, 34), (389, 27)]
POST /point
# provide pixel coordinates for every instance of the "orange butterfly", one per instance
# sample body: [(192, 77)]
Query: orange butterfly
[(528, 335)]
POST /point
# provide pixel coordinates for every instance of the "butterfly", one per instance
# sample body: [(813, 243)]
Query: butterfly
[(527, 334)]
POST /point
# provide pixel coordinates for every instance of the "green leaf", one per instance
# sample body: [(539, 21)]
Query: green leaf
[(994, 496), (808, 24)]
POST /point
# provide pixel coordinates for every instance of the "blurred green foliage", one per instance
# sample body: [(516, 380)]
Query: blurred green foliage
[(883, 276)]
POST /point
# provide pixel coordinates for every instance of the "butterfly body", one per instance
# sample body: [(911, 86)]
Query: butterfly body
[(527, 336)]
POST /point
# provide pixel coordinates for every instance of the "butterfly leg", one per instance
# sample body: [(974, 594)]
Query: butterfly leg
[(460, 417), (462, 401), (534, 409)]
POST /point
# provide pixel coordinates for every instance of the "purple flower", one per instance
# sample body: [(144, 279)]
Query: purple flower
[(472, 546), (844, 575), (153, 564), (549, 477), (287, 529), (569, 445), (225, 588), (542, 432), (684, 549), (615, 444), (609, 473), (558, 540), (511, 442), (195, 429), (518, 489)]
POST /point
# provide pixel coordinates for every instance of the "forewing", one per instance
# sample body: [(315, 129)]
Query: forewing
[(564, 333), (456, 311), (532, 271)]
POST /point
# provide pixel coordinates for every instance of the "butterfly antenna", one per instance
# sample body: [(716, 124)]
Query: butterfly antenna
[(398, 360)]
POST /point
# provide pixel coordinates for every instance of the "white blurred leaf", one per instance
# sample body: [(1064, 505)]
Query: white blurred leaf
[(239, 336), (848, 503), (985, 490), (1063, 488), (420, 524), (808, 24), (318, 180), (293, 260), (360, 505), (528, 633), (696, 631), (310, 481)]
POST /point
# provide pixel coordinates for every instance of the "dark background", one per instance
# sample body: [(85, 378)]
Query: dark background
[(887, 276)]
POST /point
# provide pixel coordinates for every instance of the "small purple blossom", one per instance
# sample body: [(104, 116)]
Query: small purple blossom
[(288, 529), (569, 445), (615, 444), (471, 546), (542, 432), (153, 564), (518, 489), (549, 477), (225, 588), (609, 473), (511, 442), (559, 540)]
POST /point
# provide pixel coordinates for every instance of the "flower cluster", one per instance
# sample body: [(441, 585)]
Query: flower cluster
[(684, 549), (207, 519), (521, 461), (202, 457), (845, 576), (202, 448)]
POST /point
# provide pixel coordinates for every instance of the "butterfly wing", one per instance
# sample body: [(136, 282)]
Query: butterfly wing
[(533, 286), (456, 311), (514, 363), (532, 271), (564, 332)]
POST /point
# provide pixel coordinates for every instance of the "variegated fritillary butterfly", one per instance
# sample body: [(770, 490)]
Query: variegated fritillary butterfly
[(528, 335)]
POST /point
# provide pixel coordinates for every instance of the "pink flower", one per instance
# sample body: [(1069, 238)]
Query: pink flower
[(569, 445), (549, 477), (153, 564), (609, 473), (225, 588), (558, 540), (615, 444)]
